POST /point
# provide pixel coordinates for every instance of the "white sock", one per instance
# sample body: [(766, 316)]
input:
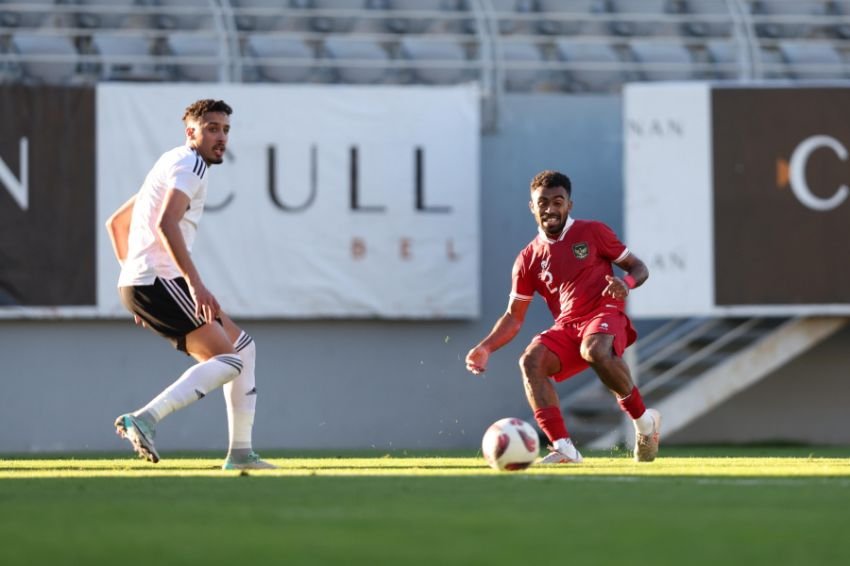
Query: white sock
[(240, 396), (644, 423), (194, 384), (565, 446)]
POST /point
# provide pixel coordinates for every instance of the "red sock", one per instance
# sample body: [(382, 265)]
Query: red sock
[(632, 403), (551, 421)]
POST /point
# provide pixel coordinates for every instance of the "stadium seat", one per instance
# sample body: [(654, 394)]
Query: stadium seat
[(771, 64), (184, 14), (557, 19), (663, 61), (357, 61), (412, 16), (36, 14), (523, 66), (62, 69), (812, 60), (763, 11), (600, 67), (445, 59), (264, 49), (114, 14), (264, 15), (723, 56), (348, 20), (708, 18), (643, 17), (125, 57), (201, 54)]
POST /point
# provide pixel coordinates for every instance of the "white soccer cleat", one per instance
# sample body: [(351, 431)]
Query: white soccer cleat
[(557, 457), (646, 445)]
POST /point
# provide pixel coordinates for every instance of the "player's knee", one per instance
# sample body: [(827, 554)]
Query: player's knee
[(595, 352), (531, 365)]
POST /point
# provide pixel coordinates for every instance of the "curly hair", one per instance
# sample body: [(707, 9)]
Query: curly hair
[(548, 179), (200, 107)]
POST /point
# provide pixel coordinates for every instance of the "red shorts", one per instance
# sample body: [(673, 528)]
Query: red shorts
[(564, 340)]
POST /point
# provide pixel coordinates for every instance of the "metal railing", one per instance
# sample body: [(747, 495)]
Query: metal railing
[(745, 41)]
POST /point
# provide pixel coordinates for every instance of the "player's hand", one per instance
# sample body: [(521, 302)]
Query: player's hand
[(476, 360), (139, 322), (206, 305), (616, 288)]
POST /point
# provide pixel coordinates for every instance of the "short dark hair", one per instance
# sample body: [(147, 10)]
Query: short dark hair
[(200, 107), (548, 179)]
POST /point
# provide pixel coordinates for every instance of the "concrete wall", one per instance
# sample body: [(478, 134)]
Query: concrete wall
[(325, 384)]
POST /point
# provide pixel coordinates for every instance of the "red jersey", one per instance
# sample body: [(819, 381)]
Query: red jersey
[(569, 273)]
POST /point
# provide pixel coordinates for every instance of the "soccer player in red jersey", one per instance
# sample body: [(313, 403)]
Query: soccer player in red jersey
[(570, 265)]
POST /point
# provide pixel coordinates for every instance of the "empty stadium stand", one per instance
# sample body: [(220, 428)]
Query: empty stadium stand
[(509, 45)]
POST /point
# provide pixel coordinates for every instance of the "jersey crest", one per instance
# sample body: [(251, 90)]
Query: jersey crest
[(580, 250)]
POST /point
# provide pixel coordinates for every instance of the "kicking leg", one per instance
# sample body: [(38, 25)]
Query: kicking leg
[(537, 364), (218, 364)]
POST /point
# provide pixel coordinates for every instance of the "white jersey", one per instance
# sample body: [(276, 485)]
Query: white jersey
[(182, 169)]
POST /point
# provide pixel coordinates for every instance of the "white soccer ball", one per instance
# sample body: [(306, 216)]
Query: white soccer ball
[(510, 444)]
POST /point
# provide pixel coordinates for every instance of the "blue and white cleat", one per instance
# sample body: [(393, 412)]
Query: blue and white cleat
[(251, 461), (140, 436)]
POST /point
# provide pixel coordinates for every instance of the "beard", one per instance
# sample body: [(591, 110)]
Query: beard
[(553, 229)]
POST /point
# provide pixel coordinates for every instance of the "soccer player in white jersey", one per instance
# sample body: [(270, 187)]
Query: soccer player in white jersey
[(152, 235)]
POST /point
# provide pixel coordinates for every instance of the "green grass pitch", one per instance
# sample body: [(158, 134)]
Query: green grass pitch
[(772, 506)]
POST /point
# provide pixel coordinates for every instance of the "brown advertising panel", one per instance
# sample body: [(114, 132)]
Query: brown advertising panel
[(47, 196), (781, 196)]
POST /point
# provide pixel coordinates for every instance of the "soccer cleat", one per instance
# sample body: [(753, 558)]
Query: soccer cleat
[(558, 457), (140, 436), (646, 445), (250, 462)]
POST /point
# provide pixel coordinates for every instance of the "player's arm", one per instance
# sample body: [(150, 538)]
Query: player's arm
[(168, 225), (118, 226), (636, 274), (505, 329)]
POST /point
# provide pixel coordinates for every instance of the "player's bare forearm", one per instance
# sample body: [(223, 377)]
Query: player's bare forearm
[(168, 225), (635, 268), (118, 226), (505, 329), (636, 274), (172, 240)]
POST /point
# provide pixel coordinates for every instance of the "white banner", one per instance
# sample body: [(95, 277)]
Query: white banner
[(332, 201), (667, 133)]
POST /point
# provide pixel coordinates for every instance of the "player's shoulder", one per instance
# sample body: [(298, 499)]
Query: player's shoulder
[(184, 158), (588, 223), (591, 226), (531, 249)]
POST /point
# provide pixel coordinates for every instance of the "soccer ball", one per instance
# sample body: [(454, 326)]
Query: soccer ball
[(510, 444)]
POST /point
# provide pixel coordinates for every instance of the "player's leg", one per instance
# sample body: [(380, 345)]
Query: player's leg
[(167, 309), (240, 397), (538, 363), (603, 352)]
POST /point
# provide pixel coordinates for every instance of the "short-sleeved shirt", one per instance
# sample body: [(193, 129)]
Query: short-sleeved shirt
[(182, 169), (569, 272)]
